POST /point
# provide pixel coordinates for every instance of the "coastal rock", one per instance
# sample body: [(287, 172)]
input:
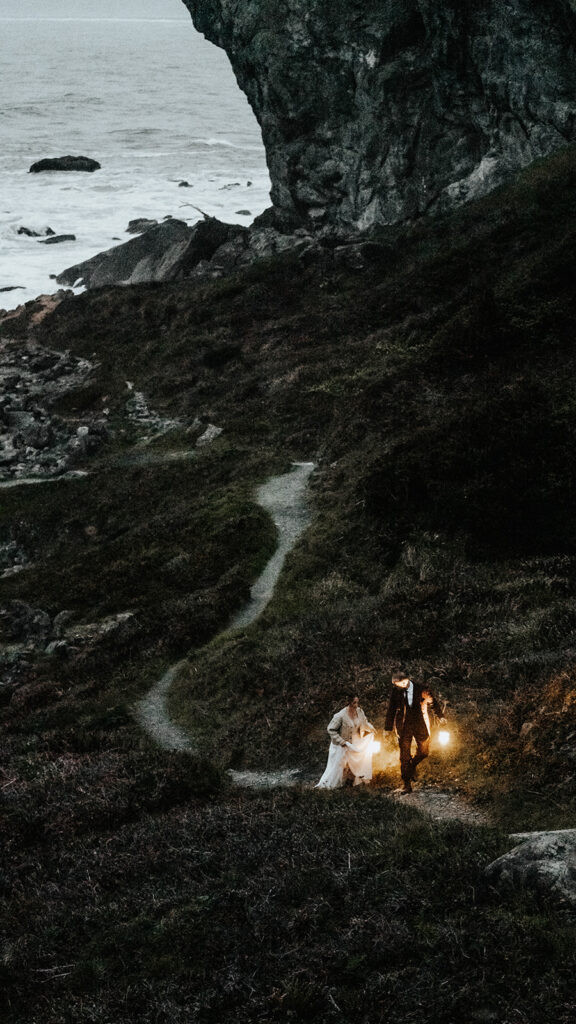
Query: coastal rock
[(150, 256), (207, 238), (377, 112), (164, 253), (35, 443), (140, 224), (30, 233), (65, 163), (545, 861), (55, 239)]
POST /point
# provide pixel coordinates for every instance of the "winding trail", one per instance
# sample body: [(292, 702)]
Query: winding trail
[(284, 498)]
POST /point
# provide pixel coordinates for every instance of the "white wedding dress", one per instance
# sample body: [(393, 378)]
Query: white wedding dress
[(355, 754)]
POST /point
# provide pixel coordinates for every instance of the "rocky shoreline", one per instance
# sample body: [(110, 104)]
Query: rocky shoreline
[(35, 442)]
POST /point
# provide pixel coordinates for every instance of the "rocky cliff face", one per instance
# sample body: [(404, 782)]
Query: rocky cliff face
[(374, 111)]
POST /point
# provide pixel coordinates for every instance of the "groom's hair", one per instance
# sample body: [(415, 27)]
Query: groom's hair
[(400, 673)]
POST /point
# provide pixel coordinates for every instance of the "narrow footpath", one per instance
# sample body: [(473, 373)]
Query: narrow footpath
[(285, 499)]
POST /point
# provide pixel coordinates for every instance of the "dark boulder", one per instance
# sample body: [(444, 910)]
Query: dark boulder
[(164, 253), (34, 234), (65, 163), (54, 239), (140, 224), (208, 236), (147, 257)]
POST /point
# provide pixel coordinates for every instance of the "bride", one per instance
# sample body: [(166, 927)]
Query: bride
[(350, 746)]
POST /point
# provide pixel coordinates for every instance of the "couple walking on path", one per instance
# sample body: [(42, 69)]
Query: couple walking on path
[(351, 734)]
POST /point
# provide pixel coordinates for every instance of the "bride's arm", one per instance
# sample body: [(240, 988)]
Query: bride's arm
[(334, 727)]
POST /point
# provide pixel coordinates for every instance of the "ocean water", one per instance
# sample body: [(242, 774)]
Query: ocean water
[(153, 102)]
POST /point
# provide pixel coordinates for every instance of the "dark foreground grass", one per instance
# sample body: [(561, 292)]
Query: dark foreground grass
[(292, 906)]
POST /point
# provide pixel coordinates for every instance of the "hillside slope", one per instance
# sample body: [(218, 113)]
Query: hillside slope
[(429, 372)]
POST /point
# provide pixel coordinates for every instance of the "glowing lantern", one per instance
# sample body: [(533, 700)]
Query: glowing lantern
[(375, 746), (443, 737)]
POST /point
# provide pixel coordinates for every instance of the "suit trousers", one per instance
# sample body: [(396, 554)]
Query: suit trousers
[(407, 762)]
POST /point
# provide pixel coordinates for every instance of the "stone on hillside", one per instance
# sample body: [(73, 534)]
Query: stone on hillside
[(545, 861), (209, 435), (20, 621), (65, 163)]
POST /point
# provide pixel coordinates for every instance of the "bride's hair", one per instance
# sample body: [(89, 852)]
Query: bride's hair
[(351, 695)]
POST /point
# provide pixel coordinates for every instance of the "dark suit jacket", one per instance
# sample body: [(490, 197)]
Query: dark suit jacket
[(423, 698)]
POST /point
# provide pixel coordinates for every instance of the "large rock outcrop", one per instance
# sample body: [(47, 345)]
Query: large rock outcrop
[(164, 252), (375, 111), (543, 861)]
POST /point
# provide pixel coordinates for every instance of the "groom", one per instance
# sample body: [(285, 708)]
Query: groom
[(408, 714)]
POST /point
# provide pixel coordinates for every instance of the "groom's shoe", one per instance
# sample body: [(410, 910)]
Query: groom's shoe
[(407, 788)]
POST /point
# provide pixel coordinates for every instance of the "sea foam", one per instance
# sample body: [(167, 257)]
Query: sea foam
[(154, 103)]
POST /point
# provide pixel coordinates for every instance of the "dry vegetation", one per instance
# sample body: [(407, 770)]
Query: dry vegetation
[(435, 390)]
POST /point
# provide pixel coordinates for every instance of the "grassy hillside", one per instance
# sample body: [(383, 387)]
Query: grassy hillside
[(430, 375)]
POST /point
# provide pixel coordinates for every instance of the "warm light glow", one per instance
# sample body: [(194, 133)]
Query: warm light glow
[(375, 746), (443, 737)]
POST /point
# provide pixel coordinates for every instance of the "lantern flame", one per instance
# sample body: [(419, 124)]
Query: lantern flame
[(443, 737)]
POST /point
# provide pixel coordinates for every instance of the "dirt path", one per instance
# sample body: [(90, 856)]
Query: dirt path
[(438, 804), (442, 805), (284, 497)]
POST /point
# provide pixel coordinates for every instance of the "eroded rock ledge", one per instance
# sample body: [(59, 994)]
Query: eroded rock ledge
[(375, 111)]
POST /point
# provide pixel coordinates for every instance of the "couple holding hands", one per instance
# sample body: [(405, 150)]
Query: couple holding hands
[(351, 734)]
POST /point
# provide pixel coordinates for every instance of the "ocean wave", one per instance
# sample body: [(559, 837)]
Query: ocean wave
[(226, 144), (129, 132)]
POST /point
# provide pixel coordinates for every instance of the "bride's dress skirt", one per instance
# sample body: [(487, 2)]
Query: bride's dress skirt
[(359, 762)]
